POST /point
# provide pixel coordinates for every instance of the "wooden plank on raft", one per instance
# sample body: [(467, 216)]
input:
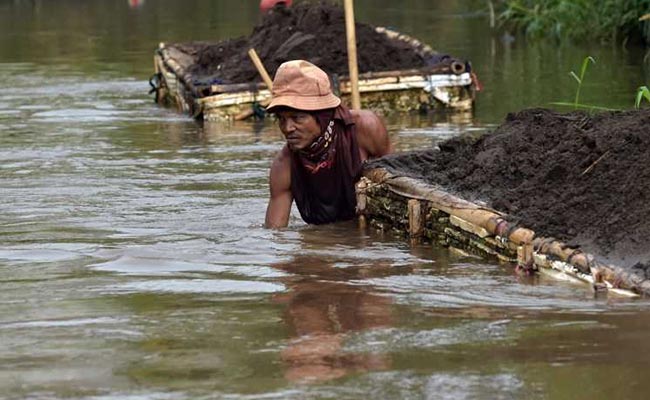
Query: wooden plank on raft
[(481, 228), (237, 87), (367, 79), (423, 49), (416, 222), (424, 71), (183, 60), (408, 82), (468, 227), (488, 219), (229, 99), (178, 62), (384, 88)]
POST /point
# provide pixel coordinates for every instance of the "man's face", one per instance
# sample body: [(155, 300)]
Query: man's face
[(299, 128)]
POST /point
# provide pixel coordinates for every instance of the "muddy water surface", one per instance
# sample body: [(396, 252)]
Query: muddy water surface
[(134, 265)]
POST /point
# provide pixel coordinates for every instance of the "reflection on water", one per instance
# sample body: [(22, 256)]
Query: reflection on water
[(322, 309), (134, 264), (135, 3)]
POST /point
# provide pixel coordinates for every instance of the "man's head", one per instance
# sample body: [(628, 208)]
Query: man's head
[(300, 128), (266, 5), (300, 91)]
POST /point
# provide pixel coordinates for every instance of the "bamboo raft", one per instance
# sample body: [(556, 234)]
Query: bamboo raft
[(447, 87), (424, 212)]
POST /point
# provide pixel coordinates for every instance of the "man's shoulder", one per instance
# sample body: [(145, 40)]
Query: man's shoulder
[(282, 158), (280, 174), (372, 135), (368, 123), (364, 117)]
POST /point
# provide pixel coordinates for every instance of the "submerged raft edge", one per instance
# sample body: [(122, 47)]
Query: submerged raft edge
[(418, 210)]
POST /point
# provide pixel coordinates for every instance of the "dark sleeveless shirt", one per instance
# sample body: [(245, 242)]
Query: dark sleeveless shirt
[(328, 194)]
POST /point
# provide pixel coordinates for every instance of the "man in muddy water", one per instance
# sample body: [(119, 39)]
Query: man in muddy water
[(326, 144)]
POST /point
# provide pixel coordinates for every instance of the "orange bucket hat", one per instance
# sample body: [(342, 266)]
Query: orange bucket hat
[(301, 85)]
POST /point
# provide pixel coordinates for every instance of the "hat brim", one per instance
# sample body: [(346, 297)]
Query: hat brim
[(304, 103)]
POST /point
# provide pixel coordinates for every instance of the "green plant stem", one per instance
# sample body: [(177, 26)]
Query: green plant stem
[(580, 79), (642, 93)]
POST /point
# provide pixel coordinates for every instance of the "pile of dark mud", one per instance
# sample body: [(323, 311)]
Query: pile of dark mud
[(581, 178), (312, 32)]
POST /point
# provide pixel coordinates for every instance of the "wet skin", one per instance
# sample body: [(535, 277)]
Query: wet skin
[(299, 128)]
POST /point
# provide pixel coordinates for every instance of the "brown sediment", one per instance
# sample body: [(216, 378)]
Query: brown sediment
[(583, 179), (313, 32)]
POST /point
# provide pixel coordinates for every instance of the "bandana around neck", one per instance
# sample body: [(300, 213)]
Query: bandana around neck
[(320, 154)]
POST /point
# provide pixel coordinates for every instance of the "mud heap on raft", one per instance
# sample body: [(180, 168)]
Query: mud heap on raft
[(397, 72), (312, 32), (582, 179)]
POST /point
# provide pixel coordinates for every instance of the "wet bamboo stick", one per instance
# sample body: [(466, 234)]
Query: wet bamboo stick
[(432, 70), (397, 76), (490, 220), (616, 277), (575, 257), (624, 279)]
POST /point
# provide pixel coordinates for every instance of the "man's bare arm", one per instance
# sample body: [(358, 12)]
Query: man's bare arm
[(279, 208)]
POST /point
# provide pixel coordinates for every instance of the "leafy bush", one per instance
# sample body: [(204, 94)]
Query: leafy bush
[(604, 20)]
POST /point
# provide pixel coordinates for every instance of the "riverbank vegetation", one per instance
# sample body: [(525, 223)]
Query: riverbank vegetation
[(642, 93), (605, 20), (580, 80)]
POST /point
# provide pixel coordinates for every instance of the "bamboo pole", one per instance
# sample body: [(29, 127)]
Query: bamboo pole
[(575, 257), (617, 277), (265, 77), (352, 53), (260, 68)]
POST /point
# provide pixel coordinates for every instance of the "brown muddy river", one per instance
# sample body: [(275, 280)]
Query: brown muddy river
[(134, 264)]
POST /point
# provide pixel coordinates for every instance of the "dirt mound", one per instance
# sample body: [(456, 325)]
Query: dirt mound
[(583, 179), (313, 32)]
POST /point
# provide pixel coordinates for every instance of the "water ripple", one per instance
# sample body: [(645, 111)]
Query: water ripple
[(221, 286)]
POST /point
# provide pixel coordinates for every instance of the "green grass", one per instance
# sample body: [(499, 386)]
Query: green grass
[(642, 93), (580, 80)]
